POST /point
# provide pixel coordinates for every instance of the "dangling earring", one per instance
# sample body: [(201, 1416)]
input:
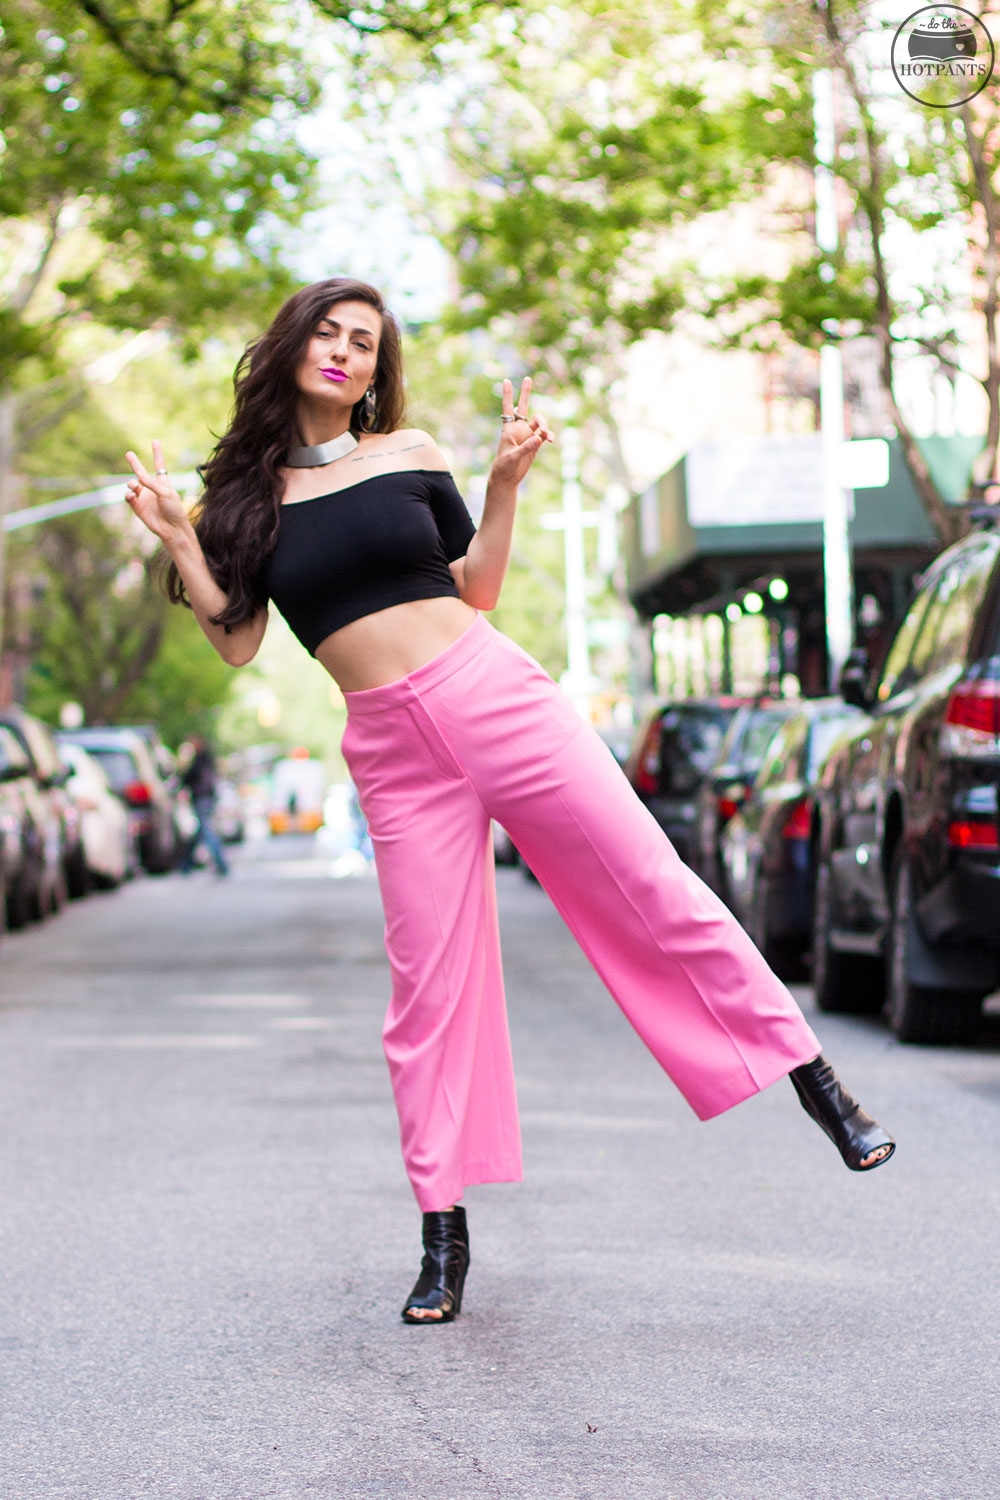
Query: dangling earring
[(369, 409)]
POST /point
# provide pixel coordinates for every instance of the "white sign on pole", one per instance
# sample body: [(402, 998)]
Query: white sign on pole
[(756, 481), (765, 481)]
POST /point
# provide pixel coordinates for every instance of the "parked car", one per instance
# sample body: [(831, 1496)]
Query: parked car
[(33, 875), (16, 786), (166, 760), (768, 845), (727, 784), (908, 877), (134, 775), (674, 749), (108, 852), (54, 820)]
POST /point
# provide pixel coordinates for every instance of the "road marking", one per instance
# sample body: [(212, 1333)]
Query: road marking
[(158, 1042), (250, 1002)]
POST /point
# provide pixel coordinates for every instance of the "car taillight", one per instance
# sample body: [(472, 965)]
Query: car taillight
[(137, 793), (972, 720), (798, 824), (729, 802), (973, 833), (647, 777)]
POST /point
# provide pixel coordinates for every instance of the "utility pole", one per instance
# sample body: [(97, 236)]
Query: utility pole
[(838, 578)]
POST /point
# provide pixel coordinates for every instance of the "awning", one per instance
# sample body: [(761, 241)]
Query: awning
[(683, 551)]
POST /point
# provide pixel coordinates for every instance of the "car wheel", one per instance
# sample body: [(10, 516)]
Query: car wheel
[(79, 877), (848, 984), (916, 1012), (20, 905)]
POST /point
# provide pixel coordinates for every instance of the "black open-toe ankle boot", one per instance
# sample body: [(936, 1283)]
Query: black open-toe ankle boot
[(443, 1268), (854, 1133)]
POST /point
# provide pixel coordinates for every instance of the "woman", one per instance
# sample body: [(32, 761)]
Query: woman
[(318, 499)]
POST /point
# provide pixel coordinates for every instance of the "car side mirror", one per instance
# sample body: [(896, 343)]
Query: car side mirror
[(853, 684)]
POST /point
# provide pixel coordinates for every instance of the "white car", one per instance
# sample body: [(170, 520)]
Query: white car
[(104, 822)]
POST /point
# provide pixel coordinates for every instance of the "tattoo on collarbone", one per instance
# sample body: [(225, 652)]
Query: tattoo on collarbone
[(359, 458)]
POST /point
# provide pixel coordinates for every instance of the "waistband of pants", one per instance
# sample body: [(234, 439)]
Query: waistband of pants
[(469, 644)]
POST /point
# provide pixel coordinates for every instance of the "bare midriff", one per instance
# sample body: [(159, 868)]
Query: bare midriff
[(390, 644)]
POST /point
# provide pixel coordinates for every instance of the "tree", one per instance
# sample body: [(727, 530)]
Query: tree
[(166, 38), (141, 207), (167, 204), (87, 621), (584, 156), (930, 173)]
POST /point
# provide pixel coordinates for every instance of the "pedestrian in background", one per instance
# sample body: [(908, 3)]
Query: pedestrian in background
[(318, 499), (200, 781)]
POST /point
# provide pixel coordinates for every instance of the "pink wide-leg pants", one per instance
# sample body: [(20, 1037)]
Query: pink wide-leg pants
[(479, 732)]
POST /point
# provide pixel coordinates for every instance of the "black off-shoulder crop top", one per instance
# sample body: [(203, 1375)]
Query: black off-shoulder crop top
[(383, 541)]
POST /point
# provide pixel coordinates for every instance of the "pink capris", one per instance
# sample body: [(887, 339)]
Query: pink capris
[(479, 732)]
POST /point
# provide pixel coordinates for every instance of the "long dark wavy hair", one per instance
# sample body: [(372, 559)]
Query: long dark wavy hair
[(236, 519)]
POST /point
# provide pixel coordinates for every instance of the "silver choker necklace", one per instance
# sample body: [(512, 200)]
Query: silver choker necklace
[(318, 454)]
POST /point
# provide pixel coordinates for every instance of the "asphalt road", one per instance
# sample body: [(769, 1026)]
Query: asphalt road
[(206, 1236)]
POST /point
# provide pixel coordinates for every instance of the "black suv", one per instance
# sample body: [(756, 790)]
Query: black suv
[(908, 862)]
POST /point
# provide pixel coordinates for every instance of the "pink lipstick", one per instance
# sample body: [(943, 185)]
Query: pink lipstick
[(331, 374)]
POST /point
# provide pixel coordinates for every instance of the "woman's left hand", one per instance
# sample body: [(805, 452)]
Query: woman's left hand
[(521, 436)]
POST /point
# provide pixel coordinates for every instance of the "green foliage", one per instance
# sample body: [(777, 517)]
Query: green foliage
[(426, 22), (20, 341), (171, 207), (186, 685), (227, 54), (84, 608), (606, 134), (594, 146), (179, 40), (97, 621)]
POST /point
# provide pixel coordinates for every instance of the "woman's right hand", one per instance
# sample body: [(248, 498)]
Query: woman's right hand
[(154, 499)]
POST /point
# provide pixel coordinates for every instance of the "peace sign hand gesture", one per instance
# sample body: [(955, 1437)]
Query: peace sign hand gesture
[(521, 436), (154, 499)]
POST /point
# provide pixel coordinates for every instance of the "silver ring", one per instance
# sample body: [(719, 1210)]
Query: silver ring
[(518, 417), (161, 471), (505, 418)]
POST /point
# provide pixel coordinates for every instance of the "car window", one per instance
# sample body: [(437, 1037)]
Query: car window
[(824, 734), (955, 606), (12, 752), (119, 766), (761, 728), (894, 674), (783, 761), (689, 744), (947, 590)]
